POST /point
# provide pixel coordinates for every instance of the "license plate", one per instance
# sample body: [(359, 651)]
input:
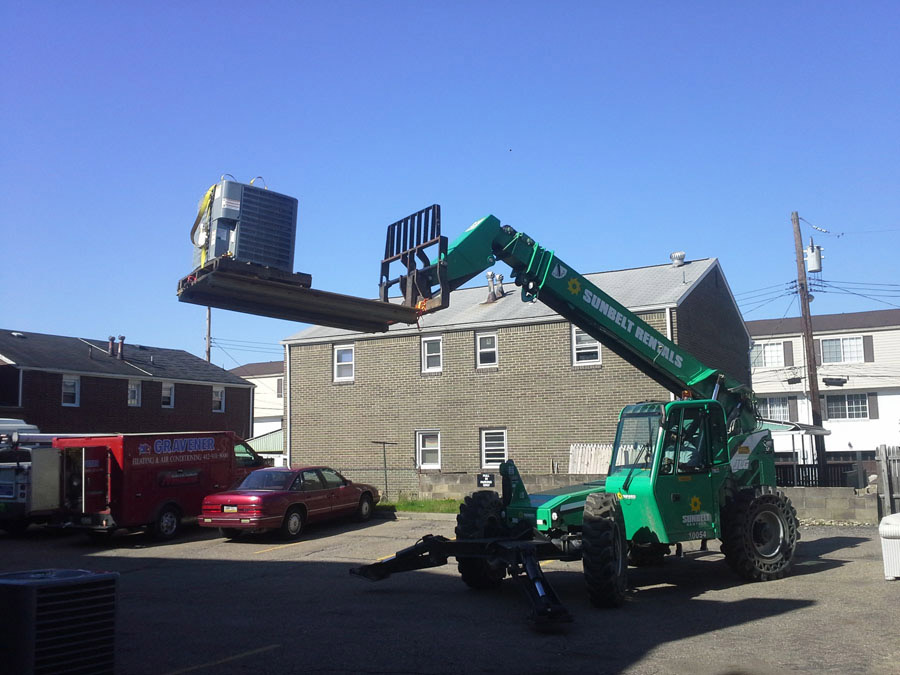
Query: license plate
[(229, 509)]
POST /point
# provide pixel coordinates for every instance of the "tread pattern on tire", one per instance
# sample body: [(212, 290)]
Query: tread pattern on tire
[(481, 516), (603, 550), (737, 536)]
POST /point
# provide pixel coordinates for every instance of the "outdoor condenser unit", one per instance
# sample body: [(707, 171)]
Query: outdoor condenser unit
[(250, 224), (58, 621)]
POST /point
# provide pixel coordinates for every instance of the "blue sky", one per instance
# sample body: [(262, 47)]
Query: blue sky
[(614, 133)]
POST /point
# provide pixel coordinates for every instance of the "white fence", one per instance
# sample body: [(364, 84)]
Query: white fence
[(589, 457), (889, 466)]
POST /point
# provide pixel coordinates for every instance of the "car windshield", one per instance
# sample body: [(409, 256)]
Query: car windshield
[(636, 441), (267, 480)]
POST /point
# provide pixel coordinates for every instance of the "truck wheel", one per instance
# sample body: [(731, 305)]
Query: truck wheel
[(167, 523), (481, 517), (647, 555), (603, 549), (760, 534), (292, 525), (364, 510)]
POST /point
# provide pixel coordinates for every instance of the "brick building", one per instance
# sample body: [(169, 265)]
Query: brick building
[(73, 385), (483, 381)]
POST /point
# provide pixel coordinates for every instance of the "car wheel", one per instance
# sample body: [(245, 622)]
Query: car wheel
[(167, 523), (364, 510), (229, 532), (292, 525)]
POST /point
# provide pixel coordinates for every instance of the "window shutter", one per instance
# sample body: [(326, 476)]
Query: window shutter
[(788, 353), (824, 405), (873, 405), (792, 409), (817, 348), (868, 349)]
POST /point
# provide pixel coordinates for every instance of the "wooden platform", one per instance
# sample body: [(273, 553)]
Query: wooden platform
[(225, 283)]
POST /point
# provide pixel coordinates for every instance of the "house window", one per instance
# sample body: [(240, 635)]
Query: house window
[(134, 393), (71, 390), (842, 350), (432, 355), (493, 448), (767, 355), (168, 395), (774, 408), (847, 406), (585, 349), (486, 350), (279, 387), (218, 399), (428, 449), (343, 363)]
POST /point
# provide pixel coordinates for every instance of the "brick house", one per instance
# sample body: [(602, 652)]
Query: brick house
[(268, 395), (858, 359), (74, 385), (483, 381)]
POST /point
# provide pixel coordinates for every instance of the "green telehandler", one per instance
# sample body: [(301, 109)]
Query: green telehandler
[(698, 467)]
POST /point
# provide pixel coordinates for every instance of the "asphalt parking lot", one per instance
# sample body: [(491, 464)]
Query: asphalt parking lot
[(203, 604)]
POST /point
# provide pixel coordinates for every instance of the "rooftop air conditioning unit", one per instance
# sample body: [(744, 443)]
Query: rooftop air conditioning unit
[(58, 621), (248, 223)]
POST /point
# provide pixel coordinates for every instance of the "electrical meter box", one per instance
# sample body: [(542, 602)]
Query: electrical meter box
[(249, 224)]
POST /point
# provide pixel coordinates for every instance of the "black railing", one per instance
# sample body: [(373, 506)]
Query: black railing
[(837, 474)]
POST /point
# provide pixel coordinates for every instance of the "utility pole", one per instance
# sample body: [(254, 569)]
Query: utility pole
[(208, 331), (812, 374)]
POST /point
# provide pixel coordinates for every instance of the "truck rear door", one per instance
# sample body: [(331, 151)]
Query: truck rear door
[(87, 479)]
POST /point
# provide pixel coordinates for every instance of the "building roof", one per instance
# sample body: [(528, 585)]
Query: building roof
[(259, 369), (37, 351), (639, 289), (824, 323)]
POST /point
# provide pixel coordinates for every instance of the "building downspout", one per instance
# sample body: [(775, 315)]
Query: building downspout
[(286, 423), (252, 403)]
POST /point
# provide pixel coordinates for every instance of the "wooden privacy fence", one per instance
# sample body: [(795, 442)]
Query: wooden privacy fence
[(589, 457), (889, 470)]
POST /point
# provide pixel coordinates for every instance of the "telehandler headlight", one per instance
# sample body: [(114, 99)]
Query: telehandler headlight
[(554, 515)]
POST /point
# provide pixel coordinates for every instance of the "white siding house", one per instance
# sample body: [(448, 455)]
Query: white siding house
[(268, 394), (858, 357)]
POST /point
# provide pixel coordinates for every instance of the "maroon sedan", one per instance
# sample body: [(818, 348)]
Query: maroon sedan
[(286, 499)]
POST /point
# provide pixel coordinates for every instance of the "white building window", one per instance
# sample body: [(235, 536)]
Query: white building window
[(493, 448), (842, 350), (168, 395), (343, 363), (279, 387), (585, 349), (134, 393), (432, 355), (767, 355), (774, 408), (218, 399), (428, 449), (71, 390), (846, 406), (486, 355)]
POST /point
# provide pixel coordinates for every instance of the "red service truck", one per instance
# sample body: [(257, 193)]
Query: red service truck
[(147, 480)]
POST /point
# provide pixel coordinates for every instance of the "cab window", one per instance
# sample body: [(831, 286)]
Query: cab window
[(686, 442), (244, 456)]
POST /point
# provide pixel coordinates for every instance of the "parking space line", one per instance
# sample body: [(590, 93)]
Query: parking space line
[(226, 660), (276, 548)]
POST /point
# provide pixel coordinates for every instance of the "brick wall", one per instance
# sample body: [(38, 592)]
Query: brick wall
[(710, 328), (535, 393), (104, 407)]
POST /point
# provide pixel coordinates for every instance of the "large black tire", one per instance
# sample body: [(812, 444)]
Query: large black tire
[(365, 508), (647, 555), (15, 528), (167, 524), (760, 534), (292, 525), (603, 549), (481, 517)]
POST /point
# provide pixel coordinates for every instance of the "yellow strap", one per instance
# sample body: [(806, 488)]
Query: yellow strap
[(204, 206)]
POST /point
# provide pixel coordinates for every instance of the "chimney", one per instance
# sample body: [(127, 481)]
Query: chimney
[(112, 346), (500, 291), (120, 353), (492, 296), (677, 258)]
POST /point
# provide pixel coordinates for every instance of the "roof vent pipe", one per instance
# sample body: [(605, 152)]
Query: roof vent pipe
[(121, 351), (500, 291), (112, 346), (492, 296), (677, 258)]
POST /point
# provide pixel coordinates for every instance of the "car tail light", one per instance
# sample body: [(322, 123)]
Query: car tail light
[(250, 510)]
